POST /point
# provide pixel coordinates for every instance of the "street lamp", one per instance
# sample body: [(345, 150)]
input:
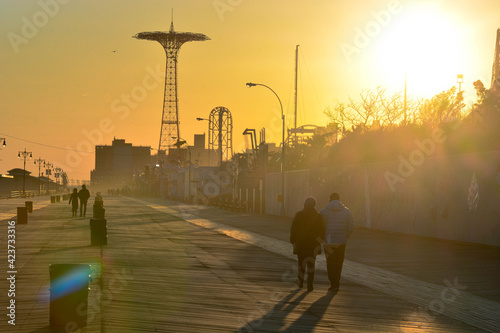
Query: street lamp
[(460, 80), (39, 161), (48, 172), (57, 174), (249, 85), (25, 154), (209, 143)]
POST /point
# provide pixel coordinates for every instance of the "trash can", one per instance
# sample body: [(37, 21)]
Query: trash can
[(52, 199), (98, 232), (29, 206), (99, 211), (22, 215), (69, 289)]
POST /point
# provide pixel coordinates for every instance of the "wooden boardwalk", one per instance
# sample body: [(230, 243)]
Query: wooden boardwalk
[(169, 269)]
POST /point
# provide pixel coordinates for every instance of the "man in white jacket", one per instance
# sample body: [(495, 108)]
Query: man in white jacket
[(339, 225)]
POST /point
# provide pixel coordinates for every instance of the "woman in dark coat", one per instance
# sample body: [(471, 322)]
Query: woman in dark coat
[(306, 235), (74, 199)]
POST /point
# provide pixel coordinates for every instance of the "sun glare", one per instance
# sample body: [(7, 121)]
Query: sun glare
[(423, 45)]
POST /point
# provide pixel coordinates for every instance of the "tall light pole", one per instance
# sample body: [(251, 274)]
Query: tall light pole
[(3, 144), (57, 174), (40, 162), (460, 80), (25, 154), (48, 172), (209, 127), (251, 84), (405, 104)]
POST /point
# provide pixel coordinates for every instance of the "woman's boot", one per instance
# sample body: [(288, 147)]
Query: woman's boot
[(310, 281), (300, 281)]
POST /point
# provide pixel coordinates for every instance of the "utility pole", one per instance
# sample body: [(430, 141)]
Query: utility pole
[(296, 80), (405, 104)]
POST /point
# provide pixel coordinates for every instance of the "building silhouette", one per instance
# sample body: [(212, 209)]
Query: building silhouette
[(116, 165), (11, 184)]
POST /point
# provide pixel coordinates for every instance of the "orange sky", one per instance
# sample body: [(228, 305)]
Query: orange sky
[(61, 83)]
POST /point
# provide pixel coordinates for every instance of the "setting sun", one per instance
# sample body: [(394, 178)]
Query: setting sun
[(423, 44)]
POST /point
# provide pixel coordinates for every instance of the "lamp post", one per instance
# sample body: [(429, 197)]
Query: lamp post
[(25, 154), (460, 80), (40, 162), (180, 142), (48, 172), (209, 126), (57, 174), (249, 85), (3, 144), (189, 174)]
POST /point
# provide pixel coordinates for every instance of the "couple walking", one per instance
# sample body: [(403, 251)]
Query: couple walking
[(84, 196), (331, 226)]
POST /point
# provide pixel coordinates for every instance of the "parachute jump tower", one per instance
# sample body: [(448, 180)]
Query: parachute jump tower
[(171, 42)]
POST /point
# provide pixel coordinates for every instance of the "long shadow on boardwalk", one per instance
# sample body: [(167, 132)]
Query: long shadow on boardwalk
[(274, 319), (312, 316)]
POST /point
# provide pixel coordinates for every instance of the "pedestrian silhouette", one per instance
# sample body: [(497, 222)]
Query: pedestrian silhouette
[(74, 199), (306, 234), (339, 226), (84, 196)]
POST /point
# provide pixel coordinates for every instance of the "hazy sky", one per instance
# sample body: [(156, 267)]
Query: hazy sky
[(72, 75)]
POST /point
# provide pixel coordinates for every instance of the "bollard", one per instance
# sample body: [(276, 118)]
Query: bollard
[(69, 288), (98, 208), (22, 215), (29, 206), (98, 211), (98, 232)]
